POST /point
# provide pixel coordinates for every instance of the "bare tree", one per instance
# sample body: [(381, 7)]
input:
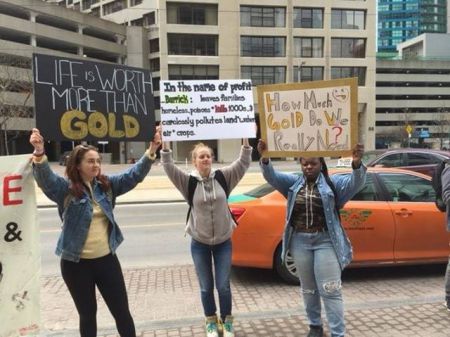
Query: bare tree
[(15, 93)]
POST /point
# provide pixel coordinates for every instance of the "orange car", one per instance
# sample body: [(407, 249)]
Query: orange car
[(392, 220)]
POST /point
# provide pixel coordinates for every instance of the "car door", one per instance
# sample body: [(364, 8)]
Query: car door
[(370, 225), (420, 230)]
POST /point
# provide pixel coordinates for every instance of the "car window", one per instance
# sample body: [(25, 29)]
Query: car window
[(368, 192), (407, 187), (415, 159), (391, 160)]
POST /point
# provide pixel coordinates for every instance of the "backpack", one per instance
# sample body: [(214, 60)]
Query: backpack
[(192, 185), (436, 183)]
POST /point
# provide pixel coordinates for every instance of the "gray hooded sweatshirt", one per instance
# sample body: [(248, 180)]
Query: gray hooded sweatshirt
[(210, 221)]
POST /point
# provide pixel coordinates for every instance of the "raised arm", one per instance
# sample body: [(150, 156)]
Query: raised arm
[(176, 175), (127, 180), (279, 180), (54, 186)]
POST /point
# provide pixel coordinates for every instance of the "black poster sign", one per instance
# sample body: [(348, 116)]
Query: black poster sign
[(84, 100)]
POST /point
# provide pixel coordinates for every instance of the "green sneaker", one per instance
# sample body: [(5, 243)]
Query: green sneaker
[(211, 326), (227, 326)]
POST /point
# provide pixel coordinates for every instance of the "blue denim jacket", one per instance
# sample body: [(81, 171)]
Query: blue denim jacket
[(77, 215), (347, 186)]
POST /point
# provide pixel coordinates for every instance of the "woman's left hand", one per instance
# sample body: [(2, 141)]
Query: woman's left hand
[(358, 152), (156, 142)]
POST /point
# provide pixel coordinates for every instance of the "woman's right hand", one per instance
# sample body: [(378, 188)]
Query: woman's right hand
[(37, 140), (261, 147)]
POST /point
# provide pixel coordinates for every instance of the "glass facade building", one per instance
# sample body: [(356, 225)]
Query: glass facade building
[(401, 20)]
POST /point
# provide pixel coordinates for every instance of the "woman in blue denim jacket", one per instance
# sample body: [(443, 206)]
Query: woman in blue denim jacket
[(313, 232), (90, 234)]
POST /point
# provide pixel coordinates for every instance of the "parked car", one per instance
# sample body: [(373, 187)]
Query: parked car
[(419, 160), (392, 220)]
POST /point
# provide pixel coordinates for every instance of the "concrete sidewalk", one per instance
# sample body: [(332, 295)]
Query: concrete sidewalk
[(165, 301)]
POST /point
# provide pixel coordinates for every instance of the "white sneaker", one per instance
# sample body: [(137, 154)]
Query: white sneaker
[(211, 326), (227, 326)]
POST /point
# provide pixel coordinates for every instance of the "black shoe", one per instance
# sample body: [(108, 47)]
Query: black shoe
[(315, 331), (447, 304)]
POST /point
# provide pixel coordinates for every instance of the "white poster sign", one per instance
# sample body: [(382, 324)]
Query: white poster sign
[(19, 249), (216, 109)]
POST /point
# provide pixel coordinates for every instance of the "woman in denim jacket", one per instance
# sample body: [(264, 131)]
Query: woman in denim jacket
[(90, 234), (313, 232)]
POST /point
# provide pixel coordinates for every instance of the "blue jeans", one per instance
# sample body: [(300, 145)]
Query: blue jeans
[(447, 281), (203, 255), (320, 277)]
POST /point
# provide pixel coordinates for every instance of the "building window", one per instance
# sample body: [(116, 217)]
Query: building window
[(154, 64), (95, 12), (135, 2), (252, 16), (114, 6), (264, 74), (308, 74), (263, 46), (348, 19), (306, 17), (154, 45), (186, 44), (137, 22), (308, 46), (191, 14), (347, 47), (345, 72), (149, 19), (193, 72)]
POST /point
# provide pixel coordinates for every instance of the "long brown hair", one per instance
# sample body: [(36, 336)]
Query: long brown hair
[(76, 181)]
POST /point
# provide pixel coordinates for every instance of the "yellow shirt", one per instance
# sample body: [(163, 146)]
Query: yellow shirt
[(97, 243)]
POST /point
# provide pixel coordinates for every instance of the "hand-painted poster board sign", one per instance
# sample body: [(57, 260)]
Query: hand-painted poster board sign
[(82, 100), (309, 119), (20, 262), (216, 109)]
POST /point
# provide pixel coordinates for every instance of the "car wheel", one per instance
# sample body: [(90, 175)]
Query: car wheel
[(287, 270)]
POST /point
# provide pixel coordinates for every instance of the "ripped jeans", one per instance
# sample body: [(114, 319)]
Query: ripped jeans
[(320, 277)]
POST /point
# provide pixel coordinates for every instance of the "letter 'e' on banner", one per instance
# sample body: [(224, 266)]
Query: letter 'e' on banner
[(20, 262), (315, 119)]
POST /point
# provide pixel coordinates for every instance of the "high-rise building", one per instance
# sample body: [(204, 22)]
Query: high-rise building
[(401, 20), (266, 41)]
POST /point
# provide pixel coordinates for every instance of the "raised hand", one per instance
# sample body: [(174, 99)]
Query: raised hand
[(37, 140), (357, 153), (156, 142), (261, 147)]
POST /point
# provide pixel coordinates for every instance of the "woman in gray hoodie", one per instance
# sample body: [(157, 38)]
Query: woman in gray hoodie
[(210, 225)]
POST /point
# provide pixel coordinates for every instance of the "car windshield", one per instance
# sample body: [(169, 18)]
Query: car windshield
[(260, 191)]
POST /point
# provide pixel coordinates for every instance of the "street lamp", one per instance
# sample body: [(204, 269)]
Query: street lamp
[(299, 70)]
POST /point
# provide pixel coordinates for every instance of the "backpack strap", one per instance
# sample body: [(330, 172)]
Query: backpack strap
[(221, 180), (192, 185)]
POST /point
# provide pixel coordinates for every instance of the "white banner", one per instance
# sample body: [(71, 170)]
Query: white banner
[(215, 109), (19, 249)]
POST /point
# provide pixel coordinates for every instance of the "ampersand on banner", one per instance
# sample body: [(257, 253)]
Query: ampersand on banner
[(11, 234)]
